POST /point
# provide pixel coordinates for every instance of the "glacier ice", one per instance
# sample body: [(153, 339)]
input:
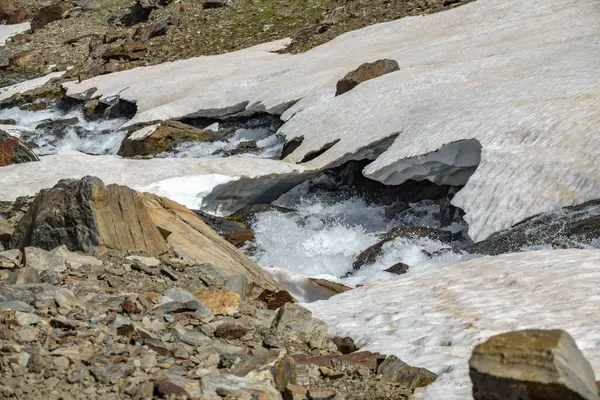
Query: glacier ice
[(433, 318)]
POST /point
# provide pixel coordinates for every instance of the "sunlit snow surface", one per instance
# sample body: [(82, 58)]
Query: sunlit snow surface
[(6, 31), (435, 317)]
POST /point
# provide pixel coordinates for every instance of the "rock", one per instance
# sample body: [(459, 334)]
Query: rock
[(173, 385), (219, 303), (126, 52), (191, 337), (23, 60), (155, 139), (270, 341), (147, 261), (345, 345), (230, 331), (10, 257), (322, 394), (365, 359), (43, 260), (334, 287), (364, 73), (16, 305), (238, 387), (237, 284), (8, 122), (61, 363), (531, 364), (296, 319), (66, 299), (246, 215), (87, 216), (112, 372), (149, 31), (74, 260), (284, 373), (248, 146), (369, 256), (392, 369), (214, 3), (28, 335), (59, 123), (275, 299), (13, 151), (397, 269), (48, 14), (24, 276), (25, 319), (14, 16)]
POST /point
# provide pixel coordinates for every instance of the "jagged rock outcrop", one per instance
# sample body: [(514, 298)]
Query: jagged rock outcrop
[(13, 151), (364, 73), (532, 365), (86, 215)]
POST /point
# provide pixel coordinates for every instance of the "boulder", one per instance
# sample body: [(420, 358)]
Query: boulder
[(248, 146), (13, 151), (50, 13), (85, 215), (533, 365), (392, 369), (155, 139), (364, 73), (369, 255)]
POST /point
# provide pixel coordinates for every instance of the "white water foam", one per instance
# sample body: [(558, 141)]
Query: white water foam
[(92, 137)]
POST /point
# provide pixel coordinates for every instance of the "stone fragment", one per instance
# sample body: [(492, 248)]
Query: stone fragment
[(322, 394), (270, 341), (191, 337), (295, 392), (284, 373), (392, 369), (25, 319), (13, 151), (531, 364), (334, 287), (147, 261), (10, 257), (24, 276), (176, 386), (111, 372), (238, 284), (28, 335), (126, 52), (219, 303), (275, 299), (230, 330), (398, 269), (16, 305), (43, 260), (67, 299), (6, 231), (61, 363), (214, 3), (364, 73)]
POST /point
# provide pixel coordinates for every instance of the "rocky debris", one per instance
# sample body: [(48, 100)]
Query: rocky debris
[(50, 13), (155, 139), (364, 73), (87, 216), (369, 255), (531, 364), (13, 151)]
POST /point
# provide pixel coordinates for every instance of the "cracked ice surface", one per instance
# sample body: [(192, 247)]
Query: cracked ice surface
[(435, 323), (520, 77), (221, 185)]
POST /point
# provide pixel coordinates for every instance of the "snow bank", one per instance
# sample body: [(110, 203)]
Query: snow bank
[(6, 31), (435, 317), (222, 185), (518, 77), (7, 92)]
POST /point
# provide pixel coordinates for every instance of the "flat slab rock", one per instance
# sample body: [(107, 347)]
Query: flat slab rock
[(489, 94)]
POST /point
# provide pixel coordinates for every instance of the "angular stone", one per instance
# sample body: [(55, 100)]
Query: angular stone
[(126, 51), (11, 257), (24, 276), (13, 151), (364, 73), (345, 345), (25, 319), (238, 284), (112, 372), (50, 13), (16, 305), (238, 387), (6, 231), (274, 299), (219, 303), (295, 392), (176, 386), (74, 260), (322, 394), (28, 335), (191, 337), (360, 358), (293, 318), (533, 365), (147, 261), (66, 299), (284, 373), (155, 139), (43, 260), (392, 369), (334, 287)]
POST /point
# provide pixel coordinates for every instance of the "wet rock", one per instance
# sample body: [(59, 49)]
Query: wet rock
[(219, 303), (247, 215), (230, 331), (24, 276), (398, 269), (345, 345), (369, 256), (273, 300), (165, 136), (48, 14), (392, 369), (112, 372), (8, 122), (364, 73), (531, 364), (59, 123), (248, 146), (13, 151)]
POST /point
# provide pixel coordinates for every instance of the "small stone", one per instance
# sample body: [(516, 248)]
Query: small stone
[(392, 369), (364, 73), (146, 390), (398, 269), (43, 260), (219, 303), (25, 319), (24, 276), (61, 363), (270, 341), (24, 358), (112, 372), (191, 337), (16, 305), (66, 299), (28, 335), (275, 299), (230, 331), (295, 392), (9, 256), (147, 261)]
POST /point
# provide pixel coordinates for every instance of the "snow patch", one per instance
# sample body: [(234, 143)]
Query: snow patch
[(7, 92), (7, 31), (435, 317)]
